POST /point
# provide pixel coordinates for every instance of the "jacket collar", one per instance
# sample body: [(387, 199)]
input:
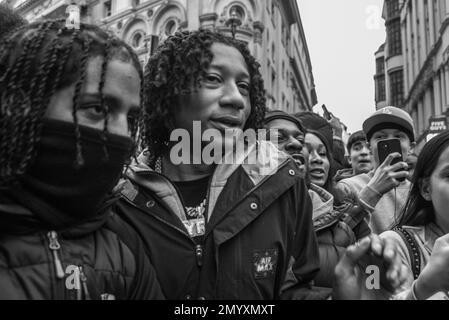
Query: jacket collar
[(322, 201), (324, 213), (256, 169)]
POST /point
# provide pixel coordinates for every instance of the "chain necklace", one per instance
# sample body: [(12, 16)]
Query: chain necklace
[(198, 211), (193, 212), (158, 165)]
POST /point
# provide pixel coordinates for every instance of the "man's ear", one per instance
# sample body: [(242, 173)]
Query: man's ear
[(424, 189)]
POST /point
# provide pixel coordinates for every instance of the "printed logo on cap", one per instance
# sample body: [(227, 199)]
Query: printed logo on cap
[(387, 111)]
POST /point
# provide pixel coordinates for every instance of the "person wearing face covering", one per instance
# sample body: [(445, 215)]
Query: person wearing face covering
[(69, 109)]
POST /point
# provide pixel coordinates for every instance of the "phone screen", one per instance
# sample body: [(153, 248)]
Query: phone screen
[(386, 147)]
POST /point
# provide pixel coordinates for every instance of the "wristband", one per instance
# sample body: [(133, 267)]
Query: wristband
[(374, 190)]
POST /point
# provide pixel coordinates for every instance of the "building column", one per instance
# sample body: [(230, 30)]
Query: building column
[(446, 83), (421, 125), (433, 37), (428, 109), (415, 61), (437, 94), (193, 13)]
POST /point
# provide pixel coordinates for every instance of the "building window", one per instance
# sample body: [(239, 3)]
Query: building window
[(381, 93), (283, 69), (137, 40), (170, 28), (394, 38), (239, 11), (427, 24), (380, 65), (393, 8), (397, 88), (107, 8)]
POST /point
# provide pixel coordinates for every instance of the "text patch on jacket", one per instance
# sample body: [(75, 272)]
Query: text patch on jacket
[(264, 263)]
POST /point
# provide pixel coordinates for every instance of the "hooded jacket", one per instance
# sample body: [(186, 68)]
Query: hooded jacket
[(333, 235), (260, 220), (99, 258), (382, 211)]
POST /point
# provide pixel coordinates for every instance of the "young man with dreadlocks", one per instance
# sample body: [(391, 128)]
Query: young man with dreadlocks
[(69, 113), (215, 231)]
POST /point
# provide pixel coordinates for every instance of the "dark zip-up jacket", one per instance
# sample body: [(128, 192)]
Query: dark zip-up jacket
[(260, 219), (97, 259)]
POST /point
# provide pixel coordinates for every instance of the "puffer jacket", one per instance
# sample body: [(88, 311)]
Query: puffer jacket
[(97, 259), (260, 221), (334, 233)]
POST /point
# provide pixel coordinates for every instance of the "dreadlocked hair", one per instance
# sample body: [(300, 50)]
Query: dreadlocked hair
[(179, 62), (35, 62)]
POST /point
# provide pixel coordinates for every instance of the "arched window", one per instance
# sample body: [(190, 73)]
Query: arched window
[(137, 40), (238, 11), (170, 28)]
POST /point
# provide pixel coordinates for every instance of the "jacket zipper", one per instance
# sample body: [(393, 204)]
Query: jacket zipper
[(160, 219), (55, 246), (83, 279), (198, 249)]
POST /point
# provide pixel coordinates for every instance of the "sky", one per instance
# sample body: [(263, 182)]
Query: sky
[(342, 37)]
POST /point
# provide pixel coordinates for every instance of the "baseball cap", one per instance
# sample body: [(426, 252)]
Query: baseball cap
[(389, 117)]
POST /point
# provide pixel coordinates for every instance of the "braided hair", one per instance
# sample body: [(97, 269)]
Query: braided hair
[(37, 61), (179, 62)]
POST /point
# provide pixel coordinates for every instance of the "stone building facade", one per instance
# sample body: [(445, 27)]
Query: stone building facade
[(272, 29)]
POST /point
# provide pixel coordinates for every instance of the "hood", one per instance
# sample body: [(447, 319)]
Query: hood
[(257, 169), (322, 201), (21, 214), (343, 174)]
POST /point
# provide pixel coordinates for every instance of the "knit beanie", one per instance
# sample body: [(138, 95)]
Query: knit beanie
[(279, 114), (316, 124)]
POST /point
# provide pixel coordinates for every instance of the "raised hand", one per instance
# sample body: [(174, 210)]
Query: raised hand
[(350, 277)]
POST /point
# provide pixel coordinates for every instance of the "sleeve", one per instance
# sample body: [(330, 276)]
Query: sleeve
[(332, 243), (145, 285), (344, 193), (405, 292), (304, 262)]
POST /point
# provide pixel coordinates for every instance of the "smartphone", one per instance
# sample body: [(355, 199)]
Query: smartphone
[(326, 114), (386, 147)]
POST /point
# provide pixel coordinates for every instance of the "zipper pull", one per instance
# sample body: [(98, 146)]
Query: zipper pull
[(83, 279), (55, 247), (199, 255)]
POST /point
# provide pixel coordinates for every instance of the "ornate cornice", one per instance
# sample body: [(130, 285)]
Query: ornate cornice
[(26, 5)]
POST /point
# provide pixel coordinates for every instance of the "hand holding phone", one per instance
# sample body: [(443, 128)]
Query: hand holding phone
[(387, 147)]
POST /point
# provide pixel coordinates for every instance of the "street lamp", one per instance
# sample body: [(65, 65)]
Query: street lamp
[(234, 21)]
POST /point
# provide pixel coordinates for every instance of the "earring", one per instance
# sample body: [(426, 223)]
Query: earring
[(427, 197)]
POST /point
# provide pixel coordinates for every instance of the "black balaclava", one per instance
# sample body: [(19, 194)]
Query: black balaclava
[(54, 180)]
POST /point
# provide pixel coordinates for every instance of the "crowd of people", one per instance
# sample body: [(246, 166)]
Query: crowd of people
[(93, 205)]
